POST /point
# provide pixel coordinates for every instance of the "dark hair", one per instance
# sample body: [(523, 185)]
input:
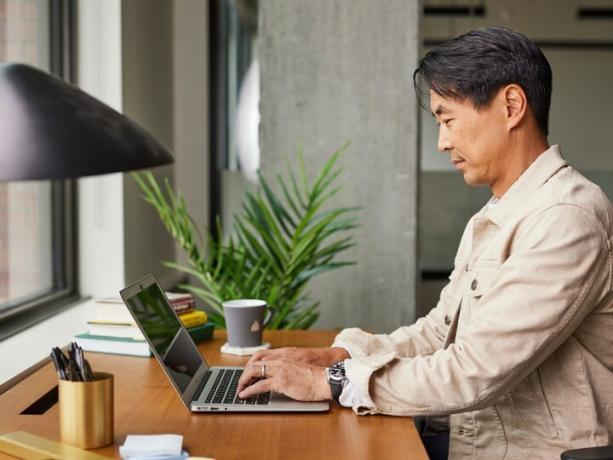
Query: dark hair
[(476, 65)]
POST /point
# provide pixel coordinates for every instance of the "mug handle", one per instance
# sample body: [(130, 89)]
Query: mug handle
[(269, 315)]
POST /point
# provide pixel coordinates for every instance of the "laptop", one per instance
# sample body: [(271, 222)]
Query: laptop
[(202, 388)]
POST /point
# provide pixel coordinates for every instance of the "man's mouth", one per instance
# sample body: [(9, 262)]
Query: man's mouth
[(457, 162)]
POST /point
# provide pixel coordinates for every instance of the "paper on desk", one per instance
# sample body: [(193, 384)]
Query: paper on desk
[(137, 445), (184, 456)]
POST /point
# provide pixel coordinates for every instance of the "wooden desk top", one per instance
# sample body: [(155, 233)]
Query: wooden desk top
[(145, 403)]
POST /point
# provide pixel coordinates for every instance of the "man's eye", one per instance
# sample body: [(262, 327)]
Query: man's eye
[(446, 122)]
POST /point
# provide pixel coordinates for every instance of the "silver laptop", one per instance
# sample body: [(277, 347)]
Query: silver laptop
[(201, 388)]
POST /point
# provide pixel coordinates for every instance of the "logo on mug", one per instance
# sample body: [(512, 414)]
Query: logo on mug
[(255, 327)]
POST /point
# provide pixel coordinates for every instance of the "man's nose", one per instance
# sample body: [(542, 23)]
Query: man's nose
[(443, 144)]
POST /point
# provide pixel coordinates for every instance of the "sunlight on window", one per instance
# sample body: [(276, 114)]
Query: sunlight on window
[(25, 207)]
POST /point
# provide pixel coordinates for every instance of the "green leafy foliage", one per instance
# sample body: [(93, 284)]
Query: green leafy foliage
[(278, 243)]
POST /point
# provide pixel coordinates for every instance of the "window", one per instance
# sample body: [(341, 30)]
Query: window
[(234, 90), (36, 234)]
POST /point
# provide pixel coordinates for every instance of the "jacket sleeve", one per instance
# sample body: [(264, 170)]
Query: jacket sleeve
[(422, 338), (558, 271)]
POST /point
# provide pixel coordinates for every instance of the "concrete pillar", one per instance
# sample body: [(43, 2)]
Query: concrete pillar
[(339, 70)]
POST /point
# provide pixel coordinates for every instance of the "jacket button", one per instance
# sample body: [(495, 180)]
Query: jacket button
[(447, 320), (473, 285)]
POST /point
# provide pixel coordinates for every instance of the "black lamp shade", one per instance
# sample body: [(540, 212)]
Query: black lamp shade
[(50, 129)]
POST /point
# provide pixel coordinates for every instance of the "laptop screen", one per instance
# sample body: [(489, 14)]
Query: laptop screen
[(173, 346)]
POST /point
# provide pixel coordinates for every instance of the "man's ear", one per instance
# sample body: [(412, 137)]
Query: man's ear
[(515, 104)]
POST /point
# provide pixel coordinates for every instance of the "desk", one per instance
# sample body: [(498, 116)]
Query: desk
[(145, 403)]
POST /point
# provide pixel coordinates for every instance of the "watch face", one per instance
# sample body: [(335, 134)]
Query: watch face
[(337, 371)]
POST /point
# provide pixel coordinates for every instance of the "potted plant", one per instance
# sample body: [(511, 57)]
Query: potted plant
[(281, 240)]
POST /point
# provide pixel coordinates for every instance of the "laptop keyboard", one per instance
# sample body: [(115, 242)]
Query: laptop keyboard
[(224, 388)]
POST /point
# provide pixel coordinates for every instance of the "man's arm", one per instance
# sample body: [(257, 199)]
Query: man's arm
[(538, 297), (307, 365), (424, 337)]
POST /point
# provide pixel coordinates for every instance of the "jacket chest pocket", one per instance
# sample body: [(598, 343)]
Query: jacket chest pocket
[(477, 282)]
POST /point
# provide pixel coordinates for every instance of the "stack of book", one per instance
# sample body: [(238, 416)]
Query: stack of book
[(114, 330), (195, 321)]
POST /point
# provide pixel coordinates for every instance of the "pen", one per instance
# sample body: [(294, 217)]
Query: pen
[(72, 356), (73, 367), (88, 370), (58, 369), (80, 362), (62, 359), (61, 365)]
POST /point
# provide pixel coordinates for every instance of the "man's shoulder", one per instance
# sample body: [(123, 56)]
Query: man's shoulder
[(569, 189), (565, 202)]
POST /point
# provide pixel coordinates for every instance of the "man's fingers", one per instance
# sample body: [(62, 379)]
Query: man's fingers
[(253, 372), (261, 386), (249, 374), (262, 355), (278, 353)]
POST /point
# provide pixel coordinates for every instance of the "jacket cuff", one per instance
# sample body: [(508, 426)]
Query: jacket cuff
[(351, 350), (359, 372), (362, 345)]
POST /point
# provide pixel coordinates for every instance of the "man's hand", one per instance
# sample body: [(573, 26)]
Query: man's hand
[(323, 357), (298, 380)]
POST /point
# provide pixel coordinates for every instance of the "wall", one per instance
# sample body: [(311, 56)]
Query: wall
[(101, 216), (191, 102), (147, 59), (147, 79), (339, 70)]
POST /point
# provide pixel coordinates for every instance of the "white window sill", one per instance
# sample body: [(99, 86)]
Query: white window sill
[(27, 348)]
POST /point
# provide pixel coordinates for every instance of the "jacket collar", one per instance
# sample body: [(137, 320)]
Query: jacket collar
[(544, 167)]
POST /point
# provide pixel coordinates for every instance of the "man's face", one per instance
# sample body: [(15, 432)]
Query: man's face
[(475, 139)]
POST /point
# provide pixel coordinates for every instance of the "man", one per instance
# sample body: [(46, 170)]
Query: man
[(519, 348)]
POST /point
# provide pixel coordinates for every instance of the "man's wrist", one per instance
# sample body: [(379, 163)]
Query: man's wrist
[(339, 354), (336, 379), (326, 391)]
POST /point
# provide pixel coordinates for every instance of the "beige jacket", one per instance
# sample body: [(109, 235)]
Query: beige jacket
[(520, 345)]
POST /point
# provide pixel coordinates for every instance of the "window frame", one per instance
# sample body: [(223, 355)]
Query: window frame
[(229, 46), (21, 315)]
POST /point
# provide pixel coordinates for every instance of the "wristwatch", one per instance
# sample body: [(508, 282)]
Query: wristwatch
[(336, 379)]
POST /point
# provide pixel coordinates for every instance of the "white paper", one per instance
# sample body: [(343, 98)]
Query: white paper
[(184, 455), (151, 445)]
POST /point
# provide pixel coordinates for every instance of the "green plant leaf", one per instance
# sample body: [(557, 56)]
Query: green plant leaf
[(282, 238)]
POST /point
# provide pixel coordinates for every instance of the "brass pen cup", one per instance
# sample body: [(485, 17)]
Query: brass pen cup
[(86, 411)]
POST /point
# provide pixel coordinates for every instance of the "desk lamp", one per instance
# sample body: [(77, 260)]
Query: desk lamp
[(50, 129)]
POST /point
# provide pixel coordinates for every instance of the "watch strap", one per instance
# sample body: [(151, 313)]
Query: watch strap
[(337, 390), (336, 379)]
